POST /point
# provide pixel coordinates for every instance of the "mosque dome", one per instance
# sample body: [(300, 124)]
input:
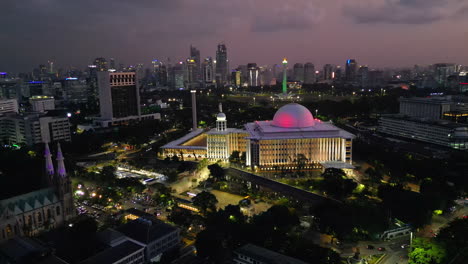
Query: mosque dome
[(221, 117), (293, 116)]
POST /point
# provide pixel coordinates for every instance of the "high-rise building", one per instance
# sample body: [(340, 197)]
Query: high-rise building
[(42, 103), (8, 106), (221, 65), (119, 99), (442, 72), (195, 55), (328, 72), (178, 76), (34, 128), (118, 94), (236, 78), (309, 73), (363, 76), (351, 70), (298, 72), (112, 64), (191, 74), (51, 69), (101, 64), (253, 74), (208, 72)]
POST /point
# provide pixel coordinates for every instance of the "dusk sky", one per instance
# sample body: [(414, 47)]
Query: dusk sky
[(377, 33)]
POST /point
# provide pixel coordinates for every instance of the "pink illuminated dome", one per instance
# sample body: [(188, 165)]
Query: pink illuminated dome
[(293, 116)]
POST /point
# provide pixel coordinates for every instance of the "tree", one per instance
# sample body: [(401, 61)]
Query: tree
[(181, 216), (162, 195), (424, 251), (205, 201), (171, 175), (336, 184), (202, 164), (108, 174), (217, 172)]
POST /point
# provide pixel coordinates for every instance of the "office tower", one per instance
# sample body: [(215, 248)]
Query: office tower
[(51, 69), (376, 78), (194, 109), (442, 72), (162, 76), (285, 76), (328, 72), (363, 76), (75, 90), (221, 65), (207, 72), (178, 75), (8, 106), (42, 103), (253, 74), (309, 73), (338, 73), (195, 55), (118, 94), (351, 70), (236, 78), (101, 64), (191, 73), (112, 64), (298, 72)]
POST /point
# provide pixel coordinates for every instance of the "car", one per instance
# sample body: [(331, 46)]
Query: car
[(381, 249), (370, 247), (404, 246)]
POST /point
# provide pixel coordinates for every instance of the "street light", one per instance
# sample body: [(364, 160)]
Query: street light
[(316, 111)]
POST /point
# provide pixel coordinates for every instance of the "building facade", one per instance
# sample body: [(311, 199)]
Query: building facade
[(119, 99), (293, 140), (33, 129), (8, 106), (31, 213)]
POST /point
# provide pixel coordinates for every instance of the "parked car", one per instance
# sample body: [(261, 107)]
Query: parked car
[(370, 247), (381, 249), (404, 246)]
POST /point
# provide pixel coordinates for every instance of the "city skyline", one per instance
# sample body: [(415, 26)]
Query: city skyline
[(302, 31)]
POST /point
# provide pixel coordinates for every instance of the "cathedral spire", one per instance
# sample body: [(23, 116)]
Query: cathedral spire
[(60, 165), (49, 166)]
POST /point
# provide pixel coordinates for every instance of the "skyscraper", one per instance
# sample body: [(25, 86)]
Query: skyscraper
[(101, 64), (253, 74), (221, 65), (112, 64), (207, 70), (191, 74), (328, 72), (195, 55), (298, 72), (351, 70), (309, 73), (363, 76)]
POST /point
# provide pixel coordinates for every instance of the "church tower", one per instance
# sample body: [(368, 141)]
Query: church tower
[(221, 122), (49, 166), (63, 186)]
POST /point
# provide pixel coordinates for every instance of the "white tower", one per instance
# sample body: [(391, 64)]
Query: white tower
[(221, 122), (194, 108)]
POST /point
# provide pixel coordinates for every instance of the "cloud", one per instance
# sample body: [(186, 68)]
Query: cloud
[(285, 16), (402, 11)]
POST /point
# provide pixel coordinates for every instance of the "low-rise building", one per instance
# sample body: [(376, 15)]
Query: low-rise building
[(438, 132), (251, 254), (154, 235)]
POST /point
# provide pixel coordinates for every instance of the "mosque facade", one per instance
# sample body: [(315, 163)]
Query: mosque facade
[(293, 140)]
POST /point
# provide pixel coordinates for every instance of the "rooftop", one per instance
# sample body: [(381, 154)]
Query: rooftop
[(145, 230), (178, 143), (267, 256), (113, 254)]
